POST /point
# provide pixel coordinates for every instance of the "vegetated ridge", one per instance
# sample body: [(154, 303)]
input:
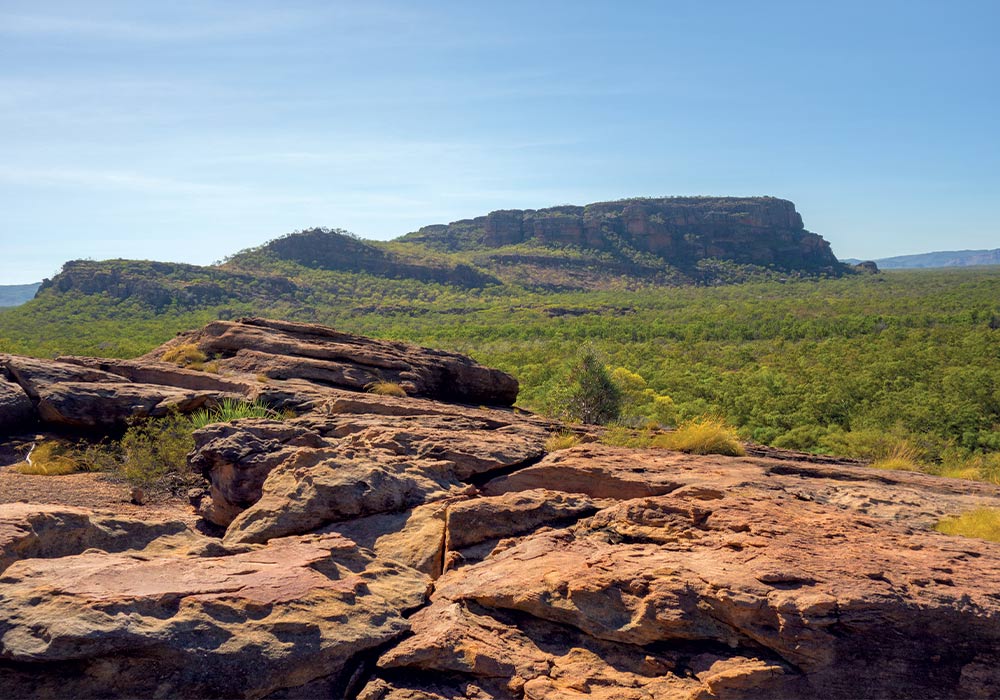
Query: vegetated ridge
[(940, 258), (609, 245)]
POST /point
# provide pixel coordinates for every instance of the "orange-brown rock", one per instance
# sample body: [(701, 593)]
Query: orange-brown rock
[(15, 407), (285, 350), (245, 625), (592, 572), (80, 395)]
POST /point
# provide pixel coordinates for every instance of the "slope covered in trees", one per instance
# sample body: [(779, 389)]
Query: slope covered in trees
[(849, 366)]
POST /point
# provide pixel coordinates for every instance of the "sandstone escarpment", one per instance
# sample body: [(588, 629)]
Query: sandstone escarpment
[(680, 232), (377, 547)]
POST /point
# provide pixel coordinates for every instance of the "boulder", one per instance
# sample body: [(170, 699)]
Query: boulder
[(16, 409), (286, 350), (296, 612)]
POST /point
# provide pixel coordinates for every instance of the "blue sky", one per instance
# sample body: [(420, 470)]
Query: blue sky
[(185, 131)]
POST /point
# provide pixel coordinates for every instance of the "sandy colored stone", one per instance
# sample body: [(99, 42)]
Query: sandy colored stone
[(491, 518), (38, 531), (412, 537), (243, 625)]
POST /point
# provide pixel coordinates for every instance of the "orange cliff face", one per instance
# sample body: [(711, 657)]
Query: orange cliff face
[(681, 230)]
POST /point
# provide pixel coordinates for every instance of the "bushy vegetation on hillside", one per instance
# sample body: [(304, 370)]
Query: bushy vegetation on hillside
[(853, 366)]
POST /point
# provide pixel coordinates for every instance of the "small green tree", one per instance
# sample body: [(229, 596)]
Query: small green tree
[(594, 398)]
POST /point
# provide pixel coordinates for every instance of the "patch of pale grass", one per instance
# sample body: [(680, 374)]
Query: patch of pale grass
[(48, 459), (561, 441), (386, 389), (903, 456), (186, 355), (982, 523), (702, 436)]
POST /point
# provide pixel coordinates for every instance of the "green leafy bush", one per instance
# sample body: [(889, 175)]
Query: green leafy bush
[(594, 396)]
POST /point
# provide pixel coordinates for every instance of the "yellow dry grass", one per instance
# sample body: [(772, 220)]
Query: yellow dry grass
[(386, 389), (561, 441), (982, 523), (48, 459), (702, 436)]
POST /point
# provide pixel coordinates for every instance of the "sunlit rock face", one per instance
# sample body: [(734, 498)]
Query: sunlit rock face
[(382, 547)]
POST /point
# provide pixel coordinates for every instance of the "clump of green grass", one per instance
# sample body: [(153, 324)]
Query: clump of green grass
[(384, 388), (186, 355), (57, 458), (232, 409), (702, 436), (561, 441), (982, 523)]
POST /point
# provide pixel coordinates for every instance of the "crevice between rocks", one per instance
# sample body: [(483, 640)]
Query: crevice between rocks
[(482, 478)]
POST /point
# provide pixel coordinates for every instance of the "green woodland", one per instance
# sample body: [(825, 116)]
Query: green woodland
[(865, 365)]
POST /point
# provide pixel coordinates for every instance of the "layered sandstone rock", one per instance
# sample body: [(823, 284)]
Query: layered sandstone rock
[(402, 548), (285, 350), (679, 231)]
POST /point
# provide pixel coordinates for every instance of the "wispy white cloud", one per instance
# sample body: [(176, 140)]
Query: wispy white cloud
[(109, 179)]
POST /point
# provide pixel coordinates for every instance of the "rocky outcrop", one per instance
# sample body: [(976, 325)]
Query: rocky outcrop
[(282, 364), (159, 285), (71, 394), (398, 547), (285, 350), (240, 625), (680, 231)]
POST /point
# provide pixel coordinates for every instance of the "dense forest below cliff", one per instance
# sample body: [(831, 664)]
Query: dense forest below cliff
[(846, 366)]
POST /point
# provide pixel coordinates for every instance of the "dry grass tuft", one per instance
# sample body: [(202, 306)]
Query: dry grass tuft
[(561, 441), (702, 436), (48, 459), (186, 355), (386, 389), (903, 456), (982, 523)]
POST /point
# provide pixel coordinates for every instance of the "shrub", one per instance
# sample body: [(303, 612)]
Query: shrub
[(186, 355), (383, 388), (594, 398), (155, 451), (983, 523), (702, 436), (624, 436)]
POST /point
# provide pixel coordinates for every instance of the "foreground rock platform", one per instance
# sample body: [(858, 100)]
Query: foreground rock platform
[(387, 548)]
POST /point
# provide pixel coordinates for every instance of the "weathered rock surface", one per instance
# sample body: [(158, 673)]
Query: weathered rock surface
[(401, 548), (32, 531), (242, 625), (15, 406), (285, 350), (680, 232)]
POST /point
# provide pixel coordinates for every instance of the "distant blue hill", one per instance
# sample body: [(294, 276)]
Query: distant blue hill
[(941, 258), (17, 294)]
